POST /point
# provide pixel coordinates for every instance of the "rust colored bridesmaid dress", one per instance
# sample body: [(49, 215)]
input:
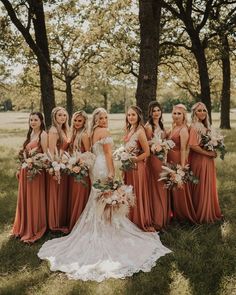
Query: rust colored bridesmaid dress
[(140, 214), (78, 197), (182, 205), (57, 200), (30, 220), (160, 200), (204, 194)]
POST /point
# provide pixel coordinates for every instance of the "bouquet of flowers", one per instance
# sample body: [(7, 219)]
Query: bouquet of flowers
[(125, 157), (78, 165), (114, 199), (32, 161), (57, 164), (160, 147), (213, 141), (174, 176)]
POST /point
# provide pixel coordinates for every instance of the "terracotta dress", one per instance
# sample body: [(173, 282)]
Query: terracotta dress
[(204, 194), (160, 200), (30, 220), (182, 205), (78, 197), (140, 214), (57, 200)]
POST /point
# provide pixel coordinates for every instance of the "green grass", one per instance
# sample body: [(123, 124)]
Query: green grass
[(203, 261)]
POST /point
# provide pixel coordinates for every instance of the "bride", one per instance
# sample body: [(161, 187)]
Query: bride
[(95, 250)]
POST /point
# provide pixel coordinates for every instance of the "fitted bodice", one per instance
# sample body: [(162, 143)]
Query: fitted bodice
[(132, 144), (100, 169)]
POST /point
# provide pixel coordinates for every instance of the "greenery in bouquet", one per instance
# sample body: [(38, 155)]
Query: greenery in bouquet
[(125, 157), (160, 147)]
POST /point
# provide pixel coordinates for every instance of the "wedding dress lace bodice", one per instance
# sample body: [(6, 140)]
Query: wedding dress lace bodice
[(96, 250)]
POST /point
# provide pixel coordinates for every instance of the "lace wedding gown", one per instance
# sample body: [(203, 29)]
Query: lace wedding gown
[(96, 250)]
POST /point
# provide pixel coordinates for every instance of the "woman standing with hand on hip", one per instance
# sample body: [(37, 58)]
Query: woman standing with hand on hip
[(160, 203), (78, 191), (30, 220), (137, 144), (182, 202), (57, 193), (204, 194)]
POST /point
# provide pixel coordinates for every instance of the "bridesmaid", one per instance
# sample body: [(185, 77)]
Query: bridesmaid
[(30, 220), (78, 192), (160, 204), (136, 141), (182, 203), (57, 194), (204, 194)]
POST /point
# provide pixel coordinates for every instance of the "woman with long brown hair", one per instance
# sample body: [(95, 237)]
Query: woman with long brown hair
[(30, 220), (160, 203), (137, 144)]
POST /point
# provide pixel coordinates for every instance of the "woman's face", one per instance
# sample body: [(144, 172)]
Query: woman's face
[(34, 122), (61, 117), (201, 112), (178, 115), (156, 113), (132, 117), (78, 122), (103, 120)]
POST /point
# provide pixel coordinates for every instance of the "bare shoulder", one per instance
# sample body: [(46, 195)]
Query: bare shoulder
[(184, 131), (102, 132), (141, 132), (53, 130), (44, 135), (148, 126)]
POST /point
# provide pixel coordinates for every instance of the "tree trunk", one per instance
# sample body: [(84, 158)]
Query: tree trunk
[(40, 49), (69, 97), (225, 92), (149, 18), (200, 56), (46, 80)]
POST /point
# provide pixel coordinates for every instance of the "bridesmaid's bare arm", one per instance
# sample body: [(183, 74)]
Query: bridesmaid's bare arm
[(86, 142), (44, 141), (184, 135), (52, 140), (144, 145), (148, 131), (199, 150)]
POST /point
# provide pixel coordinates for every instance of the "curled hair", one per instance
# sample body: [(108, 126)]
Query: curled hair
[(184, 110), (64, 127), (194, 118), (77, 134), (95, 120), (42, 128), (151, 106), (139, 113)]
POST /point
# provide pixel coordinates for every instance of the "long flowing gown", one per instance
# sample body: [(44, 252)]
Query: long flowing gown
[(57, 200), (96, 250), (78, 194), (182, 201), (204, 194), (140, 214), (160, 199), (30, 220)]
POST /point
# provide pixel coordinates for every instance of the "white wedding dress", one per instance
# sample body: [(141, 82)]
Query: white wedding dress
[(96, 250)]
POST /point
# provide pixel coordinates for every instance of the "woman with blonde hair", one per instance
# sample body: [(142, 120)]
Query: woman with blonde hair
[(182, 205), (78, 192), (204, 194), (137, 144), (57, 193)]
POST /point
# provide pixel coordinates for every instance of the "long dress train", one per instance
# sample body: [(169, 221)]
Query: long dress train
[(96, 250)]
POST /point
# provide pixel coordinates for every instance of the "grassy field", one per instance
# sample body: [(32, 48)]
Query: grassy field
[(203, 261)]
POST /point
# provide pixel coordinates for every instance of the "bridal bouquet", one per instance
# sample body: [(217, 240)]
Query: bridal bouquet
[(33, 161), (160, 147), (125, 157), (213, 141), (174, 176), (78, 165), (57, 164), (114, 199)]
